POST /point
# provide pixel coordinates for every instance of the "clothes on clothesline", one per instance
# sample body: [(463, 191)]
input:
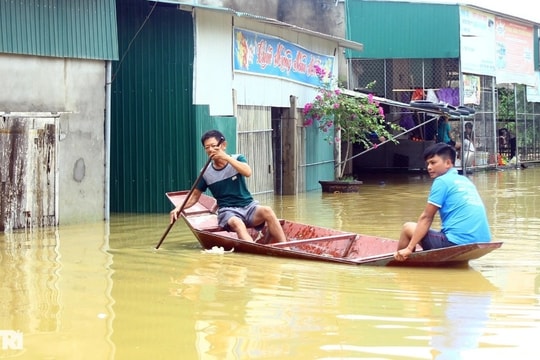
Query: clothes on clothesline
[(444, 95), (449, 96)]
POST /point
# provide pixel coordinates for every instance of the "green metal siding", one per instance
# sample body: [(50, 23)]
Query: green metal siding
[(59, 28), (403, 30), (154, 145), (319, 159), (227, 125)]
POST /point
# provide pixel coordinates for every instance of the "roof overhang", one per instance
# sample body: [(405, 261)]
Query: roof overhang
[(466, 3), (188, 6), (500, 14)]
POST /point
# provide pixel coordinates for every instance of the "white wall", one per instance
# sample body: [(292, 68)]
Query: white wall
[(77, 89), (214, 79)]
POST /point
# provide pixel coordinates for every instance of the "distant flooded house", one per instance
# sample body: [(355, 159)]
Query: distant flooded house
[(456, 54)]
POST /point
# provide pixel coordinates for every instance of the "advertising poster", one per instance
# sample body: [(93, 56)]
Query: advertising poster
[(533, 92), (514, 57), (477, 31), (471, 89), (271, 56)]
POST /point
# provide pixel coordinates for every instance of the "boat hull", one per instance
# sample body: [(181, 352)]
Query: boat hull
[(311, 242)]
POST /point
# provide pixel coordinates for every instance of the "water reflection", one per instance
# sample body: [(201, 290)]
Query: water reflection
[(29, 300), (56, 292), (437, 315), (101, 291)]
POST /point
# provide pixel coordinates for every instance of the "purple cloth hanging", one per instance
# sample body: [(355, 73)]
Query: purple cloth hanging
[(406, 121), (449, 96)]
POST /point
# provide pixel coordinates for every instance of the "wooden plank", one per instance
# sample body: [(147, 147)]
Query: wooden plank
[(345, 236)]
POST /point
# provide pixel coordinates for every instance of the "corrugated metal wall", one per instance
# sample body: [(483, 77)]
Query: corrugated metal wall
[(396, 30), (60, 28), (153, 141), (318, 161), (255, 142), (225, 124)]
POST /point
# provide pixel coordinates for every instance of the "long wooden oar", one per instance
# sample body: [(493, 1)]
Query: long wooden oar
[(188, 196)]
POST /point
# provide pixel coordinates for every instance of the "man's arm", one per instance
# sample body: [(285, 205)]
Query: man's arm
[(423, 225), (195, 195), (243, 168)]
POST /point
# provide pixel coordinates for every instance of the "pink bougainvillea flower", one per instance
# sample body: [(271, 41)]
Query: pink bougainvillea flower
[(344, 118)]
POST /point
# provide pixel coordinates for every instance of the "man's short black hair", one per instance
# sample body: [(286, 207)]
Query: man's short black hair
[(441, 149), (212, 134)]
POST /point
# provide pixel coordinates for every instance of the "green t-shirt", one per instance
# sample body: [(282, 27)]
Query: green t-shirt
[(227, 186)]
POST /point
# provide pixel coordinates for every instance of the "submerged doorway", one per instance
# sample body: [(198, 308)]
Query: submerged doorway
[(28, 175)]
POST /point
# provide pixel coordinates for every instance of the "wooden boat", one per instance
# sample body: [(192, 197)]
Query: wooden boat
[(312, 242)]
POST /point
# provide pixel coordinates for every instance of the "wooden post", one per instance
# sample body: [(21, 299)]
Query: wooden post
[(290, 151)]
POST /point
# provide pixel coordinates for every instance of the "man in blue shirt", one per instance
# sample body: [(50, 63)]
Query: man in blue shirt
[(462, 212)]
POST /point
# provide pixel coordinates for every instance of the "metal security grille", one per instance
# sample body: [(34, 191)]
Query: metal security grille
[(255, 142), (439, 80)]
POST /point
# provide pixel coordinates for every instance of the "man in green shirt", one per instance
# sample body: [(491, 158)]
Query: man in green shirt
[(237, 210)]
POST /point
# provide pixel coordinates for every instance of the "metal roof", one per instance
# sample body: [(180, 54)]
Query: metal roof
[(186, 6), (64, 29), (470, 5)]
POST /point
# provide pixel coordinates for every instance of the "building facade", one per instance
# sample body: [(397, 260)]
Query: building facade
[(456, 54), (53, 107)]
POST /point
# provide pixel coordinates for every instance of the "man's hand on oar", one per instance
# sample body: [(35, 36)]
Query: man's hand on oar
[(174, 215)]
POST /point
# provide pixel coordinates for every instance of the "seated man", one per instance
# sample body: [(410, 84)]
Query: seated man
[(460, 207), (226, 180)]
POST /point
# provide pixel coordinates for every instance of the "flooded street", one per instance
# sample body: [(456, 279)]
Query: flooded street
[(101, 291)]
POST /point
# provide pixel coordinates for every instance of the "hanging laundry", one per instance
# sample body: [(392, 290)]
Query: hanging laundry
[(449, 96), (418, 94), (431, 96), (406, 121)]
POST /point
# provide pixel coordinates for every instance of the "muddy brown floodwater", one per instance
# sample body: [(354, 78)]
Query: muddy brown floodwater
[(101, 290)]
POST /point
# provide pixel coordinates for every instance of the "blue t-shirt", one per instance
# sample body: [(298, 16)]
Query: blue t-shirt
[(463, 215)]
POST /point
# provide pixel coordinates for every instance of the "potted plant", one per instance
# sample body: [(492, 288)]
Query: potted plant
[(347, 119)]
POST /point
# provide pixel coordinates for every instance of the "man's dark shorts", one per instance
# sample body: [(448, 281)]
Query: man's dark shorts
[(245, 213), (435, 240)]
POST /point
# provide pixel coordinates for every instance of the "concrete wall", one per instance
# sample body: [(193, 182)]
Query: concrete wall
[(76, 89), (325, 16)]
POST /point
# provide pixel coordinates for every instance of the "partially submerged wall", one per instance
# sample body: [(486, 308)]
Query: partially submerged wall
[(72, 92)]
